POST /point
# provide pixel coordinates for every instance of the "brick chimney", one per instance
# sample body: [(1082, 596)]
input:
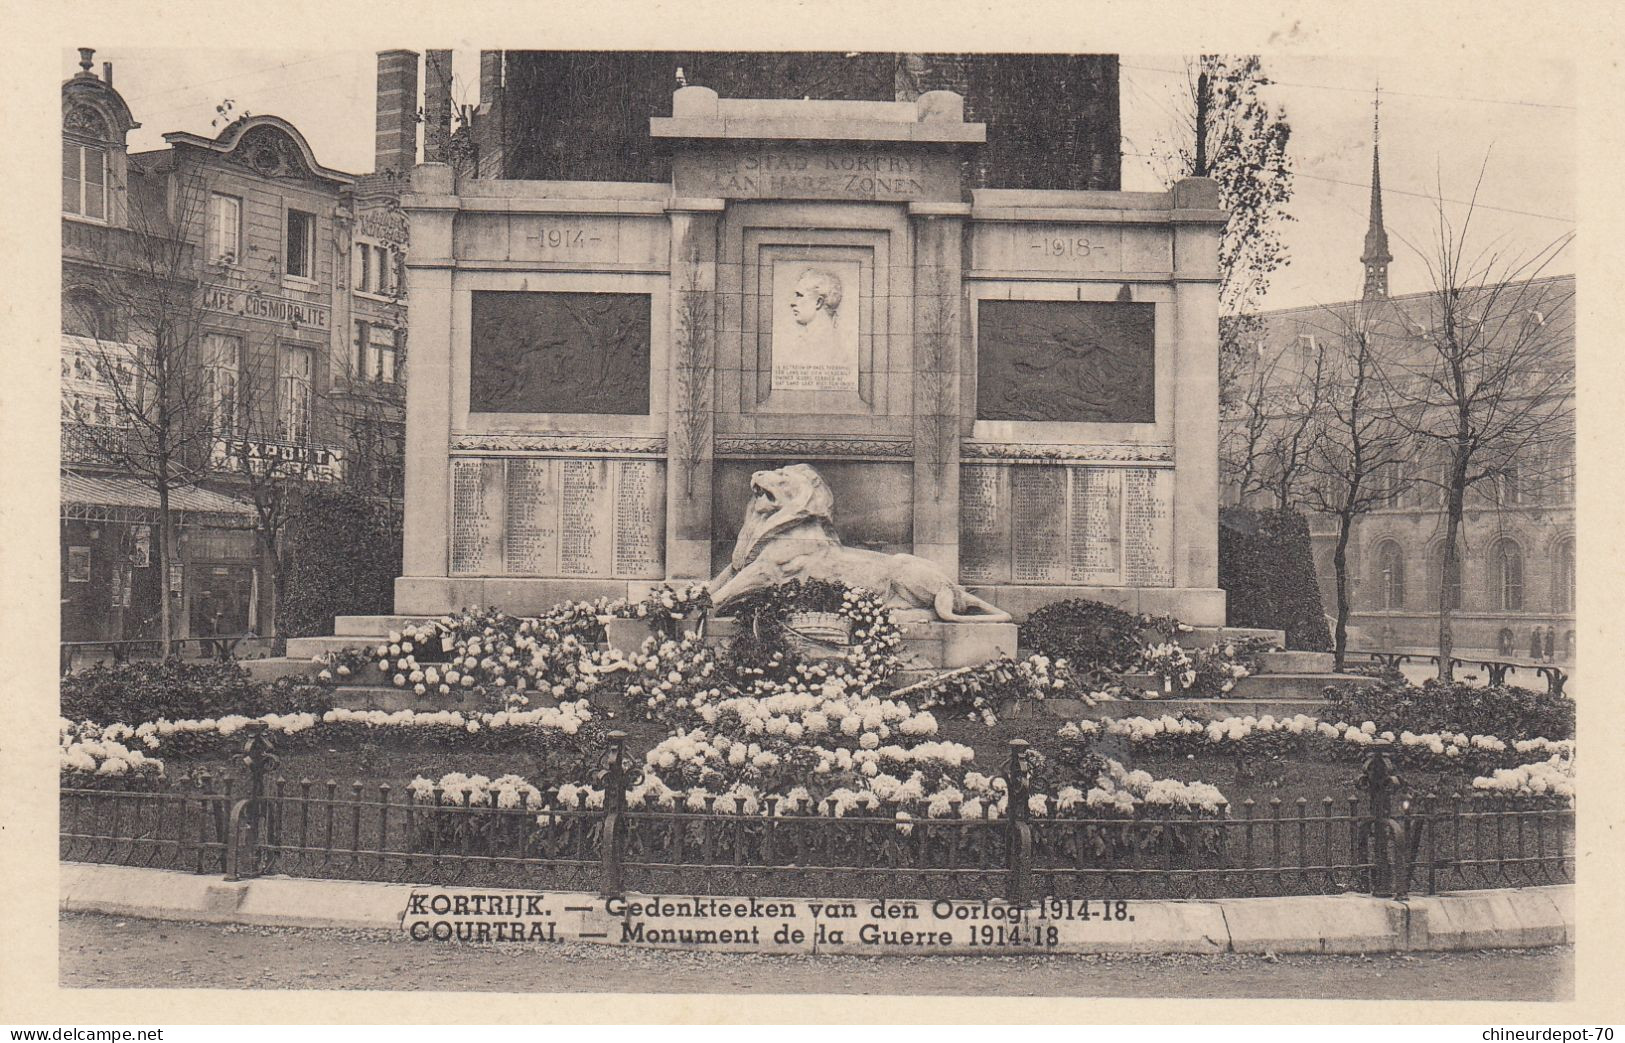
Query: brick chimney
[(397, 140), (490, 76), (436, 105)]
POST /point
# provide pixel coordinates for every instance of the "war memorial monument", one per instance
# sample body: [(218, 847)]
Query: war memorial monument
[(1016, 388)]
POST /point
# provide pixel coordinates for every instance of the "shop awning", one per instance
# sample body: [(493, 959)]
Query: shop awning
[(104, 498)]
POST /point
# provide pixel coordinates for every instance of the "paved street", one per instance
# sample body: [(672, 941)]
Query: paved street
[(111, 952)]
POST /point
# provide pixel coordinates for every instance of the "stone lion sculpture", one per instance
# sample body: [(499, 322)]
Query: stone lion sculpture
[(788, 534)]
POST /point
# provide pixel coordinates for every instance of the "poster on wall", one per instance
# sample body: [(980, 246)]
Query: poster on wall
[(815, 325), (141, 555), (176, 574), (78, 564)]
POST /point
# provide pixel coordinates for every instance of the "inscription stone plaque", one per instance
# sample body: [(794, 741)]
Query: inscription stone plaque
[(984, 524), (477, 516), (640, 518), (1063, 524), (1038, 523), (1095, 537), (770, 172), (586, 518), (1148, 527), (1077, 361), (535, 352), (533, 518)]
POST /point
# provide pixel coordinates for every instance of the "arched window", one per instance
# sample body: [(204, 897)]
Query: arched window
[(1452, 580), (85, 314), (84, 163), (1390, 576), (1506, 576), (1563, 576)]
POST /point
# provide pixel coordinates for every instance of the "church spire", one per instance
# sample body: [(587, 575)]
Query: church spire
[(1375, 258)]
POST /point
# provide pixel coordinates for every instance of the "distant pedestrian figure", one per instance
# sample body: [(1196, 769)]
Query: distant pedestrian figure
[(1534, 644), (1551, 643)]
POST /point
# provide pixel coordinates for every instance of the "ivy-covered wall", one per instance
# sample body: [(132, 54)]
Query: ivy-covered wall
[(343, 552)]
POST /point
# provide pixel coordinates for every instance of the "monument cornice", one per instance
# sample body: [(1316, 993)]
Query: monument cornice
[(825, 447), (1129, 453), (558, 443)]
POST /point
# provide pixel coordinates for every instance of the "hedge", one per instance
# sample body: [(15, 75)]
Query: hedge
[(343, 554), (1268, 574)]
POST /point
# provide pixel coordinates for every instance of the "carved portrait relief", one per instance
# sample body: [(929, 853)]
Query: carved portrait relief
[(815, 325)]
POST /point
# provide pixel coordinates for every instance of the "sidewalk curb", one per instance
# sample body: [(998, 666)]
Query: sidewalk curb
[(1347, 923)]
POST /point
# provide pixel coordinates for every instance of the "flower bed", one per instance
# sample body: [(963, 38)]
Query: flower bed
[(1308, 737)]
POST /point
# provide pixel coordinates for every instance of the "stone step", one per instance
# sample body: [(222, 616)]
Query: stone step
[(1296, 663), (1294, 686), (307, 647), (276, 667), (1202, 637), (372, 626)]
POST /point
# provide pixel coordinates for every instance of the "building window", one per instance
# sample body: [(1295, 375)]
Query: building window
[(85, 314), (1391, 570), (383, 351), (223, 357), (84, 180), (1508, 487), (301, 244), (298, 365), (374, 269), (1306, 352), (1506, 564), (1563, 577), (225, 229)]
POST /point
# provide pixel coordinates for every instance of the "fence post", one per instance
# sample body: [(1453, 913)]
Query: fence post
[(614, 815), (259, 756), (1377, 778), (1018, 834)]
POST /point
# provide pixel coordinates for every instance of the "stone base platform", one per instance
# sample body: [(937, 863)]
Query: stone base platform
[(1195, 709), (926, 645), (1198, 606)]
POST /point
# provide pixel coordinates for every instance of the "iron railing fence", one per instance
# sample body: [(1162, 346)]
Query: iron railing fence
[(1556, 677), (1376, 841), (152, 826)]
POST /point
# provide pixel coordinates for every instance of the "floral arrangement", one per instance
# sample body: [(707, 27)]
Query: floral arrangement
[(1552, 777), (1115, 789), (666, 607), (86, 752), (763, 648), (980, 693), (1308, 735), (567, 728)]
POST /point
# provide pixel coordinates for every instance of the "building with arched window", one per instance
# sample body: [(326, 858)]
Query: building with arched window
[(1515, 571), (272, 284)]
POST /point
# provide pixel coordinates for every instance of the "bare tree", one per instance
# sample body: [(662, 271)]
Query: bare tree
[(141, 320), (1273, 422), (1490, 377), (1226, 131), (1358, 443)]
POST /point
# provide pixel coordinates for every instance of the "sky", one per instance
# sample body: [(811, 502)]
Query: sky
[(1446, 126)]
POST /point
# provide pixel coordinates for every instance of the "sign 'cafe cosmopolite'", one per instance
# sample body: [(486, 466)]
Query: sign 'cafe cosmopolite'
[(267, 307)]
